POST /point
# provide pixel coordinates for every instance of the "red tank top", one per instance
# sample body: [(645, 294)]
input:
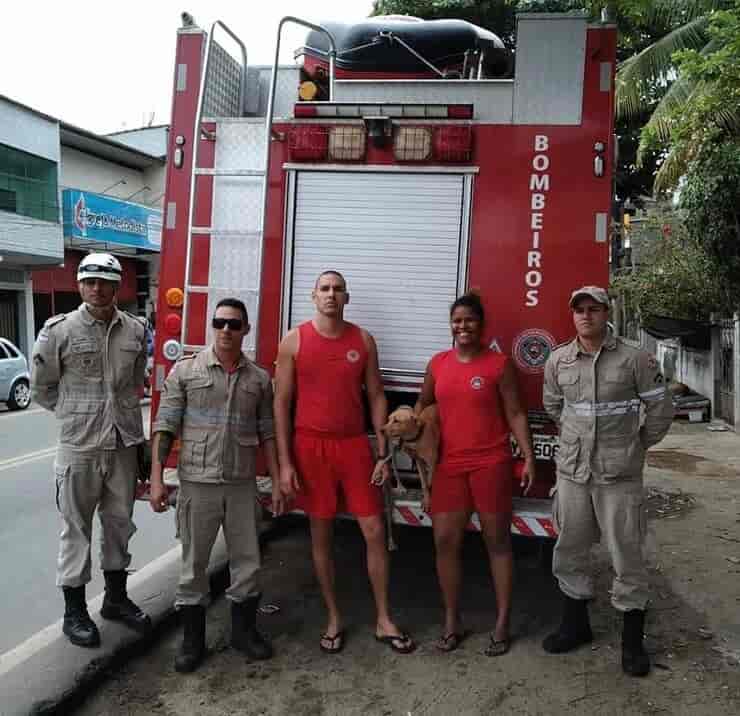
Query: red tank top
[(474, 431), (330, 373)]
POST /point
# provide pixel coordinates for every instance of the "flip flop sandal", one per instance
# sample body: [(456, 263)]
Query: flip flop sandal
[(450, 642), (400, 643), (498, 647), (336, 641)]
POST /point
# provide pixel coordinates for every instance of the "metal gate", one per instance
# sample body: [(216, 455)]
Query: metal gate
[(727, 385)]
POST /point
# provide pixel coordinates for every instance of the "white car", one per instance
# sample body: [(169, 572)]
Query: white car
[(15, 380)]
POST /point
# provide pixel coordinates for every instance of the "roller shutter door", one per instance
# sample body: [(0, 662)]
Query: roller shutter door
[(399, 240)]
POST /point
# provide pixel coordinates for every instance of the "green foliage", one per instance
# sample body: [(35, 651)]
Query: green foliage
[(689, 80), (711, 112), (710, 206), (676, 277)]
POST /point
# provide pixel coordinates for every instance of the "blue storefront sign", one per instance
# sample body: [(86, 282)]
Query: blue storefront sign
[(94, 217)]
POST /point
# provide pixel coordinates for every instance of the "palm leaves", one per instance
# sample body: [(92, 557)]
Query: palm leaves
[(640, 75), (651, 79)]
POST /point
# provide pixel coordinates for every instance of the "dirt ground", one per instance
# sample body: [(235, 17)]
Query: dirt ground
[(693, 489)]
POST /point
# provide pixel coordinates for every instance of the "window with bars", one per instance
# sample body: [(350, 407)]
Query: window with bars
[(28, 185)]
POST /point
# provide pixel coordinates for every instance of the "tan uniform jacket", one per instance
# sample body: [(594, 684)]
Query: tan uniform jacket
[(89, 373), (597, 401), (220, 417)]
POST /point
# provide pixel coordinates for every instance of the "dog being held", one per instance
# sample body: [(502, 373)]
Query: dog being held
[(418, 437)]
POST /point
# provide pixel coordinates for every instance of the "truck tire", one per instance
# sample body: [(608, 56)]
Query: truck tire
[(20, 395)]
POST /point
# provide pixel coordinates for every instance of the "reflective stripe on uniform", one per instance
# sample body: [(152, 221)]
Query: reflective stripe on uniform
[(655, 394), (589, 410)]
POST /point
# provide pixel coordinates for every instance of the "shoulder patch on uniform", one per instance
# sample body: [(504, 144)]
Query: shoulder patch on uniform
[(138, 319), (54, 320), (629, 346)]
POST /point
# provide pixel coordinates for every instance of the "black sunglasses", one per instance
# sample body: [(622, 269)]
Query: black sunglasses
[(98, 268), (235, 324)]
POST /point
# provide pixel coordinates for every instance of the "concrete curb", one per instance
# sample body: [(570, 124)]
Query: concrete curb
[(48, 675)]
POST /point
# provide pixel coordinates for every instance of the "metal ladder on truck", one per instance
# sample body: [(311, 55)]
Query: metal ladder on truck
[(233, 264)]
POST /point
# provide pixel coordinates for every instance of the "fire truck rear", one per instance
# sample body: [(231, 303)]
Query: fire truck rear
[(404, 154)]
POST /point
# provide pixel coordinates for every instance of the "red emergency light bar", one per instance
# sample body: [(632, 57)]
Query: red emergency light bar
[(395, 111), (453, 144), (317, 142), (308, 143)]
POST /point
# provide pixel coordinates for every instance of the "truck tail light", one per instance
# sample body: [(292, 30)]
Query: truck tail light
[(453, 144), (173, 324), (308, 143), (174, 297), (412, 144), (347, 143)]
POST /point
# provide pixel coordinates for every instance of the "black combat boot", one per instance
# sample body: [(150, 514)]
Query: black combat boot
[(574, 630), (118, 607), (635, 660), (193, 647), (78, 626), (244, 634)]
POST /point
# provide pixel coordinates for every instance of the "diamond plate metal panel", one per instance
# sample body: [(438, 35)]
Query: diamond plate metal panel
[(223, 85), (235, 261), (286, 90), (237, 204), (240, 145), (548, 82)]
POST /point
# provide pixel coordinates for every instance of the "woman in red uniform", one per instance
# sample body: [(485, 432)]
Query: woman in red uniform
[(476, 393)]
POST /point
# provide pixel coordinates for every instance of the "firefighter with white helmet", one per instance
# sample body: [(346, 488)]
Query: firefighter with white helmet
[(88, 366)]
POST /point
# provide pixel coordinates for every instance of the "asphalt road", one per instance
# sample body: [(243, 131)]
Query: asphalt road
[(29, 528)]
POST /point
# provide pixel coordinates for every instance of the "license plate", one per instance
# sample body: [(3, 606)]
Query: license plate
[(545, 447)]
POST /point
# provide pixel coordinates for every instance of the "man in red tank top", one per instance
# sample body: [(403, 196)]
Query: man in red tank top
[(324, 452)]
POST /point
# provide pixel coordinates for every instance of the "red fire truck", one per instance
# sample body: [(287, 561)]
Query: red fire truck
[(407, 155)]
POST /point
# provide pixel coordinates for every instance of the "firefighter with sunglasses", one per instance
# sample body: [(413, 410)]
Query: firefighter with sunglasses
[(219, 404)]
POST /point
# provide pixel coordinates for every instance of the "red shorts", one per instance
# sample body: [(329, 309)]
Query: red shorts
[(483, 489), (335, 476)]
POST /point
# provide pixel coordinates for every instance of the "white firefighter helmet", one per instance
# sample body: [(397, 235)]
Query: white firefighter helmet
[(103, 266)]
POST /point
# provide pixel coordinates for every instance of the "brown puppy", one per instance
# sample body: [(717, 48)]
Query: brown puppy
[(418, 436)]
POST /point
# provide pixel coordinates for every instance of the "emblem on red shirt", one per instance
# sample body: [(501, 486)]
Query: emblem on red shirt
[(476, 382), (353, 356)]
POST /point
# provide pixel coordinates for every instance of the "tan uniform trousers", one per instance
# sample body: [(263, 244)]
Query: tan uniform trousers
[(584, 512), (203, 508), (87, 479)]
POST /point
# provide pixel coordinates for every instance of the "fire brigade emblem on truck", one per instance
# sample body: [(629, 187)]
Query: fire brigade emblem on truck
[(532, 348), (353, 356)]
